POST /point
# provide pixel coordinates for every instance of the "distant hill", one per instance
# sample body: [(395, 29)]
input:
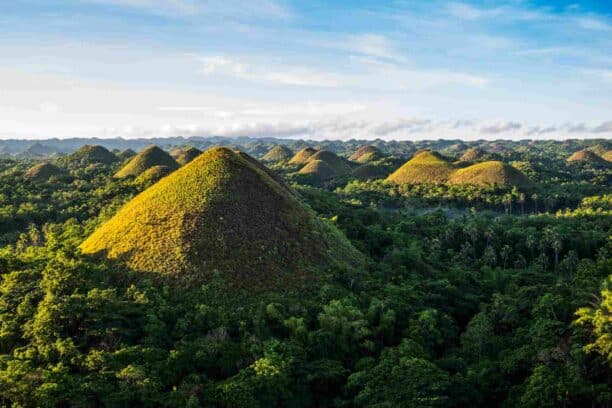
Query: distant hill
[(43, 171), (366, 154), (424, 167), (149, 157), (472, 154), (39, 150), (302, 156), (91, 154), (490, 173), (279, 153), (126, 154), (589, 158), (223, 214), (184, 155)]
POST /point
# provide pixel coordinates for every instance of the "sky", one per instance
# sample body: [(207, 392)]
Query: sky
[(363, 69)]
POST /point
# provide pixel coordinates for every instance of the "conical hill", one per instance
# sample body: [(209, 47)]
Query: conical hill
[(319, 170), (184, 155), (589, 158), (424, 167), (302, 156), (223, 215), (490, 173), (149, 157), (366, 154), (278, 153), (336, 162), (44, 171), (92, 154), (472, 154)]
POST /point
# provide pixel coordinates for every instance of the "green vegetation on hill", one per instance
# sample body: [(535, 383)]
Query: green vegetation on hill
[(126, 154), (369, 171), (302, 156), (222, 213), (91, 154), (44, 171), (149, 157), (279, 153), (493, 173), (366, 154), (152, 175), (424, 167), (184, 155), (318, 170)]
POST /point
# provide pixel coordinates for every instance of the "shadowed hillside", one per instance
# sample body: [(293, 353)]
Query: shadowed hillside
[(149, 157), (152, 175), (588, 158), (318, 170), (184, 155), (472, 154), (91, 154), (337, 163), (222, 213)]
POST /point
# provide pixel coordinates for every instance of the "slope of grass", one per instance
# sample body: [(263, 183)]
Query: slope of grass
[(369, 171), (318, 170), (279, 153), (184, 155), (223, 214), (472, 154), (302, 156), (126, 154), (149, 157)]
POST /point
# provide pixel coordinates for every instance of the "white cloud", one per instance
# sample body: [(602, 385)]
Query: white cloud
[(500, 127)]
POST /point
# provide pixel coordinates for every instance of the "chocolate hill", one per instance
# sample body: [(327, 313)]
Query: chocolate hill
[(44, 171), (222, 214), (91, 154), (302, 156), (184, 155), (366, 154), (424, 167), (589, 158), (490, 173), (149, 157), (278, 153)]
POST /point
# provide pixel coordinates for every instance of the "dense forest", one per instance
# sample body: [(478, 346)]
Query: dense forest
[(471, 274)]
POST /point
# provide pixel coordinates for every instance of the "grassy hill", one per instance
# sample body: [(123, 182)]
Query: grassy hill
[(184, 155), (472, 154), (490, 173), (126, 154), (608, 155), (223, 214), (44, 171), (91, 154), (366, 154), (337, 163), (302, 156), (279, 153), (424, 167), (318, 170), (589, 158), (149, 157)]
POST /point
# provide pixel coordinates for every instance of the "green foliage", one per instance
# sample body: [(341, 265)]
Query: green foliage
[(150, 157)]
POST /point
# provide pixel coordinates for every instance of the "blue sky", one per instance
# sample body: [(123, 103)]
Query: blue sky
[(321, 69)]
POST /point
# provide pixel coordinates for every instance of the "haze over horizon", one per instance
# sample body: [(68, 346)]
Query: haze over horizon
[(407, 70)]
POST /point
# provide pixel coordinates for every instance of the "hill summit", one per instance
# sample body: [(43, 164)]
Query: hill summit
[(92, 154), (223, 214), (278, 153), (589, 158), (184, 155), (302, 156), (149, 157)]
